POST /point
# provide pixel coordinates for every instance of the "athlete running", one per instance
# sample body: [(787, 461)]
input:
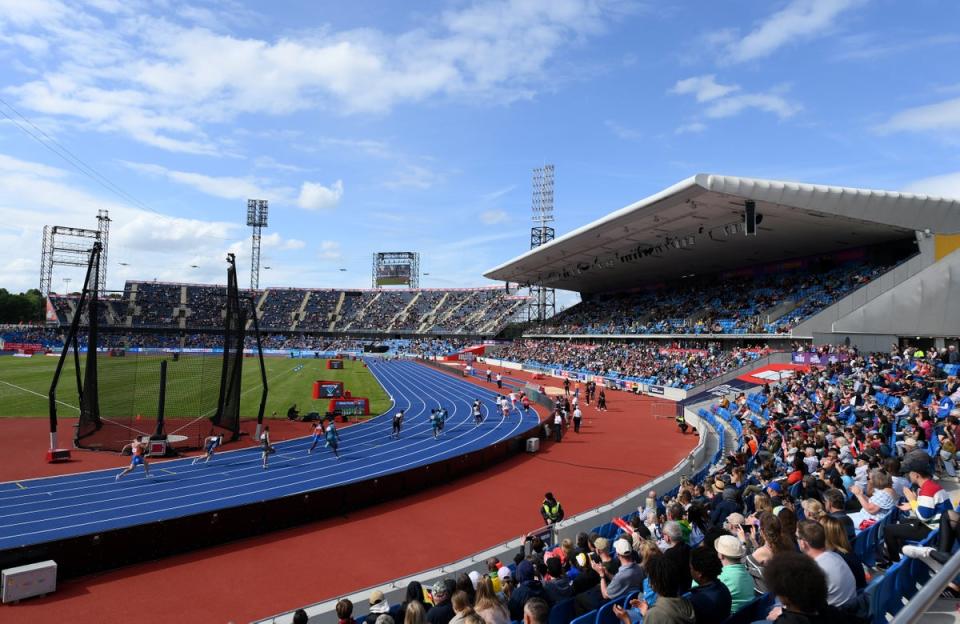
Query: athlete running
[(333, 438), (317, 435), (397, 424), (210, 444), (477, 413), (138, 454), (265, 447)]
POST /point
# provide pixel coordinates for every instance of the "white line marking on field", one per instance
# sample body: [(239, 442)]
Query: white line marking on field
[(43, 396)]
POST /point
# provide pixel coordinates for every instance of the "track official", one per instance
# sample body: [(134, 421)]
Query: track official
[(551, 509)]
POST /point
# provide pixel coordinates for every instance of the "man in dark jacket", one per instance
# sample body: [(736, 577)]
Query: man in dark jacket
[(528, 586), (727, 505), (559, 586), (442, 611)]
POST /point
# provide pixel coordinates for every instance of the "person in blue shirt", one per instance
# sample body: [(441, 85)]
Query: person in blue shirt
[(944, 406)]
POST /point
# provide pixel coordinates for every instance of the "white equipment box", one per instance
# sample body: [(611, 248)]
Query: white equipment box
[(533, 445), (31, 580)]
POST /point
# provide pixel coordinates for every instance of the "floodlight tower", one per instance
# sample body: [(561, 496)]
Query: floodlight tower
[(103, 227), (543, 301), (257, 219)]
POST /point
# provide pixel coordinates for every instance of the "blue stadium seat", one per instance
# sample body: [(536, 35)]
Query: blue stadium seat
[(562, 612), (754, 611), (605, 613), (586, 618)]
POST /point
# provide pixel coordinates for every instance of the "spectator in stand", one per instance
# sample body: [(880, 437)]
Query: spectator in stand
[(711, 599), (414, 593), (841, 584), (667, 580), (834, 501), (442, 611), (300, 617), (461, 607), (528, 586), (925, 507), (677, 551), (378, 603), (734, 573), (558, 586), (488, 605), (344, 611), (414, 613), (837, 542), (628, 577), (536, 611), (801, 587)]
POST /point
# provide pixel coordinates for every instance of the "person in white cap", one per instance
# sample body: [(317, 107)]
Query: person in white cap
[(629, 577), (378, 603), (734, 574)]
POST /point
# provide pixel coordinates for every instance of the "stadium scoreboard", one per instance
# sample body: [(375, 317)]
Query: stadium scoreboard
[(396, 268)]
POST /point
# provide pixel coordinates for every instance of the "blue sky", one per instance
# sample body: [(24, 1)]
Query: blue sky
[(389, 126)]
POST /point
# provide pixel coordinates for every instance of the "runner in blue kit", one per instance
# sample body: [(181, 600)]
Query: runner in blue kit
[(138, 452), (210, 445), (436, 421), (317, 436)]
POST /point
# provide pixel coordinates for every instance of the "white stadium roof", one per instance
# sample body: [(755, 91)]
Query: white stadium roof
[(696, 227)]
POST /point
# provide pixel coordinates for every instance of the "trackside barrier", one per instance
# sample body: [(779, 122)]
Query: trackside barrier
[(695, 466)]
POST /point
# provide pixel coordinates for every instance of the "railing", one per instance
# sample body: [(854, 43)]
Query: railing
[(929, 593), (395, 590)]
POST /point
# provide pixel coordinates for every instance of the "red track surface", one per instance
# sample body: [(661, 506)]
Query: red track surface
[(615, 452)]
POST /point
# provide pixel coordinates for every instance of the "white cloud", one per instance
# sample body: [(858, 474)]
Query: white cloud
[(315, 196), (623, 132), (497, 194), (691, 128), (330, 250), (150, 243), (704, 88), (729, 100), (492, 217), (158, 81), (225, 187), (413, 176), (766, 102), (275, 241), (947, 185), (799, 20), (930, 118)]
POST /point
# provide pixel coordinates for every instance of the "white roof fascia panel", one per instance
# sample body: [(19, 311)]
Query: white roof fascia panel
[(613, 216)]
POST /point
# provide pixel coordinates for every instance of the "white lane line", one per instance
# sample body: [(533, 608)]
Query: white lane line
[(438, 381)]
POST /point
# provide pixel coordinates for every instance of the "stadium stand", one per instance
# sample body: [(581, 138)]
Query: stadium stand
[(722, 304), (637, 361), (151, 305), (805, 491)]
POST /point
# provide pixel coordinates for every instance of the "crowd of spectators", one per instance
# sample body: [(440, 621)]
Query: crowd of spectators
[(821, 458), (318, 311), (645, 361), (730, 305), (190, 307)]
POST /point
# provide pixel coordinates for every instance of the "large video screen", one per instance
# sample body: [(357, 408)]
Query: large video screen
[(394, 268)]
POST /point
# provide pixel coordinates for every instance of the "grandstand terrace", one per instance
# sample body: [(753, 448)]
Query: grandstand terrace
[(826, 263), (191, 308)]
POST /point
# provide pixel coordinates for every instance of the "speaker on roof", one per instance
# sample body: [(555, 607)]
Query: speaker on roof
[(749, 217)]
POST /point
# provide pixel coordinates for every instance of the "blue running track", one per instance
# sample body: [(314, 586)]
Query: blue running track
[(41, 510)]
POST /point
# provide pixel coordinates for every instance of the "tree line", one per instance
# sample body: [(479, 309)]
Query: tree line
[(25, 307)]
